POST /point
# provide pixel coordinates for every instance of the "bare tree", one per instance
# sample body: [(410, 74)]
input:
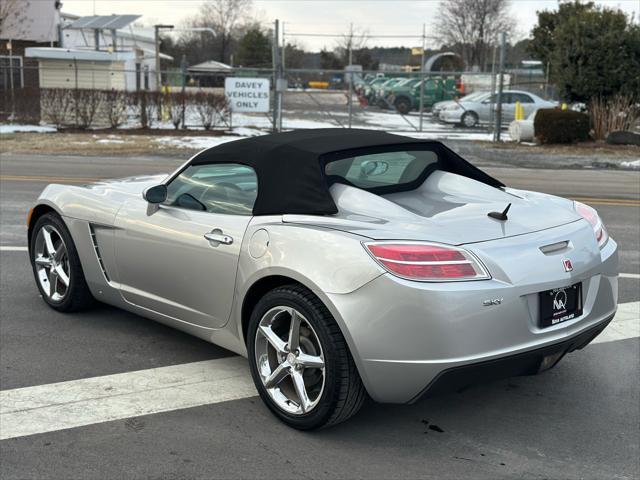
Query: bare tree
[(176, 104), (211, 108), (472, 26), (225, 17), (8, 9), (56, 105), (87, 102), (115, 107), (12, 14), (351, 42)]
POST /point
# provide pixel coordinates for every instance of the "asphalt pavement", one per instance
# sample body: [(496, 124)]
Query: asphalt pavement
[(579, 420)]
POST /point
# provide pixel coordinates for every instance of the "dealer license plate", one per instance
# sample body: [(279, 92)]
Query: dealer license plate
[(560, 305)]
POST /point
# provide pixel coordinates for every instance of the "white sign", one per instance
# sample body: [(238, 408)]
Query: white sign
[(247, 94)]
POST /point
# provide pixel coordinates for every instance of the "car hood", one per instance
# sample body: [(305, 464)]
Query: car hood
[(439, 105), (446, 208), (129, 185)]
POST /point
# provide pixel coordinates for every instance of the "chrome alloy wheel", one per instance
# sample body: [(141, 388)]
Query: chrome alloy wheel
[(290, 360), (52, 263)]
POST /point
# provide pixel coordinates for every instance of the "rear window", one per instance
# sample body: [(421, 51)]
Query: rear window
[(383, 170)]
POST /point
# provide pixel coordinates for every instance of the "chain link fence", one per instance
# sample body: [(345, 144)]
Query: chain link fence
[(75, 95)]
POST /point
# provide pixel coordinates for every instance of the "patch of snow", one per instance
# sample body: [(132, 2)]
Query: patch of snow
[(453, 135), (295, 124), (110, 140), (11, 128), (195, 143), (248, 132), (635, 164)]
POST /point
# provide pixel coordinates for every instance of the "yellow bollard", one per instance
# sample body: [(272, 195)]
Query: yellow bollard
[(564, 106)]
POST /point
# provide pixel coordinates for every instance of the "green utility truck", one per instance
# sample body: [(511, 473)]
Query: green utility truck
[(406, 97)]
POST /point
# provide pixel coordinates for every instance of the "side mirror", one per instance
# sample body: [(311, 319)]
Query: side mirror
[(156, 194)]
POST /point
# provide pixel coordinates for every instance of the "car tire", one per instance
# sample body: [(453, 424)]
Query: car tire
[(469, 119), (70, 291), (341, 393), (403, 106)]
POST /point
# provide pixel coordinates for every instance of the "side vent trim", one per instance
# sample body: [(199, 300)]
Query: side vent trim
[(94, 241)]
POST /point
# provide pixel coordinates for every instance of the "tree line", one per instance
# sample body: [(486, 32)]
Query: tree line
[(585, 49)]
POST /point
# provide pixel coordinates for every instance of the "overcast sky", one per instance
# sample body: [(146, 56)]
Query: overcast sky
[(382, 17)]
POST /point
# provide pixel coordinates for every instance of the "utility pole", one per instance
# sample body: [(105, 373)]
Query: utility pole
[(11, 85), (424, 31), (350, 77), (284, 49), (276, 76), (156, 30), (492, 111), (503, 46), (183, 71)]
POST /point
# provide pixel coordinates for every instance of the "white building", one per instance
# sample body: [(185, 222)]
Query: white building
[(135, 46), (101, 52)]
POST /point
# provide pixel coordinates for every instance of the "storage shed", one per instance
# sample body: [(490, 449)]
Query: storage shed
[(83, 69)]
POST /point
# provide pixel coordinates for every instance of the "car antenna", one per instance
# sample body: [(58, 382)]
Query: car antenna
[(502, 216)]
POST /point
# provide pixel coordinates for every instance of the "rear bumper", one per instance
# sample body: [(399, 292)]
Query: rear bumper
[(527, 363), (404, 335)]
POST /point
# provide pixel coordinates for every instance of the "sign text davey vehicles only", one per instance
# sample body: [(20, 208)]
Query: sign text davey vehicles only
[(247, 94)]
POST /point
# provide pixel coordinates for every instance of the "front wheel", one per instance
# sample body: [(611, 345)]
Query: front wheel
[(56, 266), (403, 106), (300, 362), (469, 119)]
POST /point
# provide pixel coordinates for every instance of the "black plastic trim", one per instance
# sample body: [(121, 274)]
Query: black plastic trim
[(457, 379)]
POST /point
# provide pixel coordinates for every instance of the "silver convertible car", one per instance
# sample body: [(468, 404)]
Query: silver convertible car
[(342, 263)]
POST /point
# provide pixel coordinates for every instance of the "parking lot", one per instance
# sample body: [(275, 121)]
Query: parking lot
[(142, 400)]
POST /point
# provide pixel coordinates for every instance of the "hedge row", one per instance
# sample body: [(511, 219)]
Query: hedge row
[(552, 125), (84, 108)]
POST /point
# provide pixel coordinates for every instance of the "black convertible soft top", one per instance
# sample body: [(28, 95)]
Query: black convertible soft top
[(290, 166)]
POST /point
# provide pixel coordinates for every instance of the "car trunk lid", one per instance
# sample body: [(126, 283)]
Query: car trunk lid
[(446, 208)]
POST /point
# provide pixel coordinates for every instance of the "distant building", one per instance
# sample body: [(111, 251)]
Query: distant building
[(36, 33), (28, 23), (209, 73), (135, 46), (107, 50), (86, 69)]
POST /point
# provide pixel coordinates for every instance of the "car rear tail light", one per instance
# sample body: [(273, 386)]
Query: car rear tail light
[(591, 215), (427, 262)]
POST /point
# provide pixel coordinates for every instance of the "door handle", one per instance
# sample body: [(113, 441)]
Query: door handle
[(218, 236)]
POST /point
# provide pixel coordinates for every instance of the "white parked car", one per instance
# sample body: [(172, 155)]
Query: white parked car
[(476, 108)]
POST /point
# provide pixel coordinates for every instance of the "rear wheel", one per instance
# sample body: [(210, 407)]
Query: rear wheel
[(56, 266), (403, 105), (300, 362), (469, 119)]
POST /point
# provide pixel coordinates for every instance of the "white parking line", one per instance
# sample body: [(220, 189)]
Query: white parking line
[(629, 275), (626, 324), (58, 406), (4, 248), (77, 403)]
